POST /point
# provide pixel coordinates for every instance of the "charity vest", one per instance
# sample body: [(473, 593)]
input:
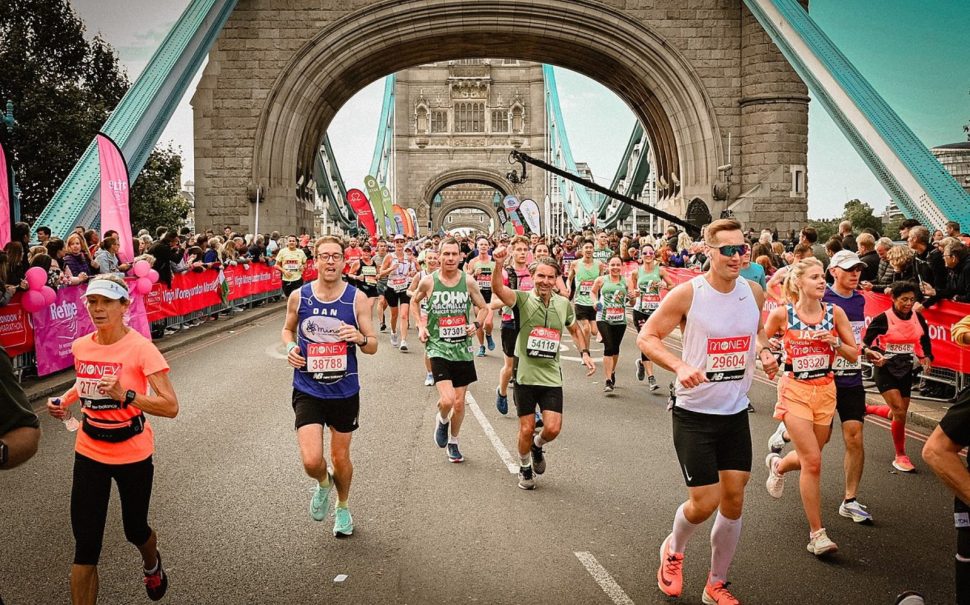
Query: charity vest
[(901, 343), (848, 374), (648, 287), (399, 279), (585, 276), (521, 281), (808, 359), (613, 300), (448, 319), (484, 278), (331, 368)]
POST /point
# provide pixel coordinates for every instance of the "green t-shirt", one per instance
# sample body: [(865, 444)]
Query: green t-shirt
[(603, 255), (613, 298), (540, 331), (448, 317), (648, 283), (585, 276)]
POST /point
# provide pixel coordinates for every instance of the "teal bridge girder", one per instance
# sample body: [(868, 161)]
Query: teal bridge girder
[(917, 181), (142, 114)]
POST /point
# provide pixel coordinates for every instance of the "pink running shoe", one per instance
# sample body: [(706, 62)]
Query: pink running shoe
[(670, 575), (903, 464)]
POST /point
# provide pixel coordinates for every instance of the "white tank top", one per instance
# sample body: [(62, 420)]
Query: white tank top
[(720, 339)]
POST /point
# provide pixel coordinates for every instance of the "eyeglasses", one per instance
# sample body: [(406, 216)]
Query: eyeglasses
[(330, 257), (732, 249)]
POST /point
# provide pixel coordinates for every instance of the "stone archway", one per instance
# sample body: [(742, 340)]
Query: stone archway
[(439, 214), (691, 75)]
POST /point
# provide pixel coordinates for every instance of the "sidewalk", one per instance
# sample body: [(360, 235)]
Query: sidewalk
[(38, 389)]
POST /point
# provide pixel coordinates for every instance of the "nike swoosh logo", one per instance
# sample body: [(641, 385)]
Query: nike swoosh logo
[(742, 298), (686, 474)]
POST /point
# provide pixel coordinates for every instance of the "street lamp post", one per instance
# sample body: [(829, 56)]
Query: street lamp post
[(9, 121)]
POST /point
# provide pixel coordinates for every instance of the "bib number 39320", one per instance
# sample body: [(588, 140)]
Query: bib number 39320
[(727, 358), (327, 361), (543, 343)]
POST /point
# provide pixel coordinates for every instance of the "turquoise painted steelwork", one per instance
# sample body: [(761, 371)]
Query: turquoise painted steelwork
[(629, 183), (330, 185), (938, 196), (380, 166), (561, 154), (139, 119)]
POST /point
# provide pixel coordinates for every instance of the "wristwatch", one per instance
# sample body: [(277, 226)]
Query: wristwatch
[(129, 397), (4, 453)]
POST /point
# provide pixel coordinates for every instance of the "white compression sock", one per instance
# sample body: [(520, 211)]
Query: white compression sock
[(683, 530), (724, 541), (525, 459), (539, 441)]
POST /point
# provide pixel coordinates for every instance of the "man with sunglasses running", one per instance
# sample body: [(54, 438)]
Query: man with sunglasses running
[(720, 318)]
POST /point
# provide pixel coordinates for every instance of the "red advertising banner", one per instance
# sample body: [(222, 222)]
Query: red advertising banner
[(358, 201), (16, 332), (193, 291)]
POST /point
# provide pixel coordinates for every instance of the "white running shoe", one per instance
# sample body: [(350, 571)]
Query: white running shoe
[(429, 380), (819, 543), (404, 346), (776, 482), (777, 441), (855, 511), (395, 340)]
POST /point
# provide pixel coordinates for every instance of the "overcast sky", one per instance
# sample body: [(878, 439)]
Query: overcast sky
[(914, 53)]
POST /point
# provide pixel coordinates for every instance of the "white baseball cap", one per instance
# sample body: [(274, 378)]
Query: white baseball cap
[(846, 259), (108, 289)]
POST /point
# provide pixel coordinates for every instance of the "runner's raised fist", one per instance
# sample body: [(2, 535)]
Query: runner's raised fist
[(500, 254)]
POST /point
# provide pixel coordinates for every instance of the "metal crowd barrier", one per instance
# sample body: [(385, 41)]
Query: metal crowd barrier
[(954, 382)]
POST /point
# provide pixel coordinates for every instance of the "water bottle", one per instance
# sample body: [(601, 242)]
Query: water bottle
[(70, 422)]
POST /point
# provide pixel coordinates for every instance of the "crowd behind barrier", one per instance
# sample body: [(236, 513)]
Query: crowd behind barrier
[(40, 343)]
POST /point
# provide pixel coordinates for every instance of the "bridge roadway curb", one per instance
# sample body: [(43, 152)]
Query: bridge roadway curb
[(39, 389)]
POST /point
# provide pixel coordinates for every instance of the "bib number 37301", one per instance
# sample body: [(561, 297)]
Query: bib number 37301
[(327, 361), (543, 343), (727, 358), (453, 328)]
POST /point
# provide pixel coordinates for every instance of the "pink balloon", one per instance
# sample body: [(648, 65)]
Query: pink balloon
[(143, 285), (142, 268), (33, 301), (49, 295), (153, 276), (36, 278)]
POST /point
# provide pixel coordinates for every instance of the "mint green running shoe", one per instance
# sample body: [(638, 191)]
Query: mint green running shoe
[(320, 502), (343, 524)]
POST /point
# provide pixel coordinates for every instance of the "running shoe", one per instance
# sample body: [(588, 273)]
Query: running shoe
[(855, 511), (481, 351), (501, 402), (718, 594), (383, 327), (343, 522), (320, 502), (750, 408), (441, 433), (490, 341), (526, 480), (776, 482), (404, 346), (909, 598), (156, 583), (454, 455), (653, 383), (670, 574), (903, 464), (608, 386), (819, 543), (429, 380), (777, 441), (539, 424), (395, 340), (538, 459), (641, 371)]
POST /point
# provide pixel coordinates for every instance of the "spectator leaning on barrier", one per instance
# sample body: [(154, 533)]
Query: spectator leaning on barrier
[(903, 262), (957, 287), (8, 289), (929, 260), (107, 257), (78, 260), (884, 277), (166, 253)]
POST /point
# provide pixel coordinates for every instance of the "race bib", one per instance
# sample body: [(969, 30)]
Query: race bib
[(614, 314), (369, 273), (809, 359), (650, 301), (89, 374), (543, 343), (585, 287), (398, 283), (841, 365), (327, 361), (727, 358), (485, 279), (453, 328), (291, 265), (895, 348)]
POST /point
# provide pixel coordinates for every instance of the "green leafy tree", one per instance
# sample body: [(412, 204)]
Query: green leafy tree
[(826, 228), (861, 216), (156, 199)]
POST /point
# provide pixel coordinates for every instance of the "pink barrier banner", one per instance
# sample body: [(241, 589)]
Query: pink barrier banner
[(4, 200), (66, 320), (939, 318), (114, 195)]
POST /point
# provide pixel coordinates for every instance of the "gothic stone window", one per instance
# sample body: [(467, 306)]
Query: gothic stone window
[(439, 121), (518, 123), (470, 117), (500, 120), (421, 120)]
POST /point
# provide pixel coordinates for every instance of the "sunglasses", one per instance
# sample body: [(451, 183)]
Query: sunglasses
[(731, 250)]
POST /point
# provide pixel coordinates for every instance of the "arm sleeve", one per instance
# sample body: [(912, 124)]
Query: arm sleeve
[(878, 327)]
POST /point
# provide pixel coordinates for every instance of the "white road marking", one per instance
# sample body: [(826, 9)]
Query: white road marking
[(503, 451), (603, 578)]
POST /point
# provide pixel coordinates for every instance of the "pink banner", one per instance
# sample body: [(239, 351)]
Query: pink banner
[(66, 320), (4, 199), (358, 201), (114, 195)]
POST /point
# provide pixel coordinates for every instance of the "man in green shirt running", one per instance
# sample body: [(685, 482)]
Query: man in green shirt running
[(538, 379), (582, 274), (446, 329)]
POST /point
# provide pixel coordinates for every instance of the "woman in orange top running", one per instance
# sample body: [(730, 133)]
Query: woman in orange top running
[(115, 367), (813, 334)]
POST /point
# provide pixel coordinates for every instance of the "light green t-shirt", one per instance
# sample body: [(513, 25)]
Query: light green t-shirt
[(613, 297), (540, 331), (585, 276)]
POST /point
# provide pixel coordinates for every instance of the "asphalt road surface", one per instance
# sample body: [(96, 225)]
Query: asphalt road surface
[(230, 501)]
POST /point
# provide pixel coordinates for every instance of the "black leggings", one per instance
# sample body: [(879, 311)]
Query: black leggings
[(612, 337), (639, 319), (290, 286), (89, 503)]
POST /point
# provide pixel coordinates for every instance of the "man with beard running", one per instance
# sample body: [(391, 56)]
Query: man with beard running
[(720, 318), (327, 322), (538, 378), (519, 278), (447, 329)]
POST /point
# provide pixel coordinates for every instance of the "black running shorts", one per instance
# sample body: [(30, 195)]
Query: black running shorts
[(460, 373), (339, 414), (612, 337), (584, 312), (396, 298), (885, 381), (528, 396), (850, 402), (508, 341), (708, 443)]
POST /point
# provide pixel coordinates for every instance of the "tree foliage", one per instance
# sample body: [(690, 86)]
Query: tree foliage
[(156, 199), (861, 216)]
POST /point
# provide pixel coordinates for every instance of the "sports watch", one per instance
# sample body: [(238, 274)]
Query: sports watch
[(129, 397)]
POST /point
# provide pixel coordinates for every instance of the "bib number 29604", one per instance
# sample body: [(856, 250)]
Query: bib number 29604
[(727, 358)]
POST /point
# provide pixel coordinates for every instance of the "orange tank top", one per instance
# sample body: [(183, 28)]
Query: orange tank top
[(808, 359)]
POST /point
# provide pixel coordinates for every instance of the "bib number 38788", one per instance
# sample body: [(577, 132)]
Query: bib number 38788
[(327, 361)]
